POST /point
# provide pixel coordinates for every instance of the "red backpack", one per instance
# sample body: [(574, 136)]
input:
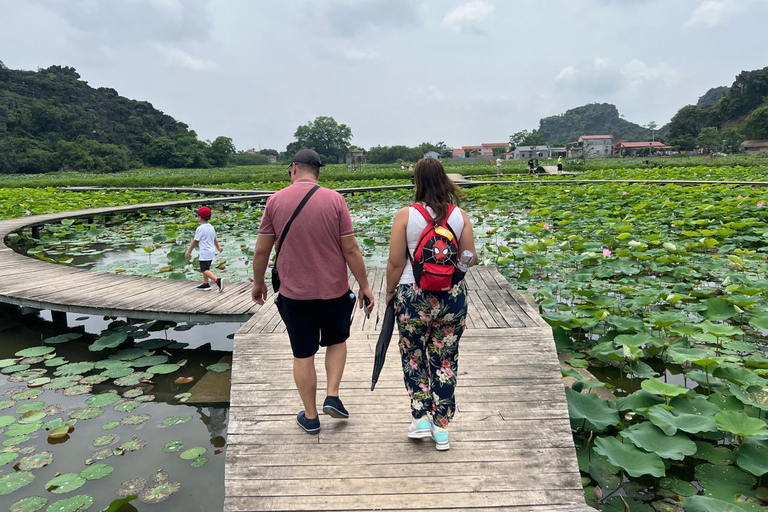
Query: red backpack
[(437, 252)]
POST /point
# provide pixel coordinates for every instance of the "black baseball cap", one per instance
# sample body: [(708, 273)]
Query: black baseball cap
[(307, 156)]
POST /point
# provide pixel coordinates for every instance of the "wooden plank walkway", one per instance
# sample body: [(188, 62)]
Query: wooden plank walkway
[(29, 282), (511, 444)]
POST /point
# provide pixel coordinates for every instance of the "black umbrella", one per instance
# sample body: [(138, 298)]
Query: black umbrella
[(387, 327)]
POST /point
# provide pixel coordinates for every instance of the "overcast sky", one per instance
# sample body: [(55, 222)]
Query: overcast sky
[(395, 71)]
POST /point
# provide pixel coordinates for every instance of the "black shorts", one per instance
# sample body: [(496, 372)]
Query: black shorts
[(205, 265), (312, 324)]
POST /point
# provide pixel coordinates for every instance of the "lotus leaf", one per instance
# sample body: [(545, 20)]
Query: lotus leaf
[(146, 361), (218, 367), (740, 424), (21, 429), (173, 446), (108, 340), (670, 422), (92, 380), (717, 455), (111, 425), (31, 417), (35, 351), (695, 405), (118, 504), (133, 379), (63, 338), (704, 504), (36, 461), (718, 309), (29, 504), (6, 420), (592, 408), (60, 432), (172, 420), (652, 439), (7, 458), (753, 456), (103, 440), (153, 344), (724, 482), (632, 460), (720, 330), (14, 368), (622, 504), (132, 487), (130, 354), (87, 413), (65, 483), (193, 453), (117, 373), (135, 419), (102, 400), (127, 406), (16, 440), (97, 471), (74, 369), (102, 454), (133, 393), (107, 364), (163, 369), (39, 381), (754, 395), (199, 462), (183, 397), (159, 493), (145, 398), (5, 363), (133, 445), (659, 388), (10, 482), (740, 376), (77, 389), (56, 361), (7, 404), (682, 355), (759, 322), (73, 504)]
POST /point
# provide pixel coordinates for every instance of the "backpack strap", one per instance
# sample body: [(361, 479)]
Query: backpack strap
[(293, 217), (423, 211)]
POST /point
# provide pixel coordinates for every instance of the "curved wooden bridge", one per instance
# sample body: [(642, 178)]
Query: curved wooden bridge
[(511, 446)]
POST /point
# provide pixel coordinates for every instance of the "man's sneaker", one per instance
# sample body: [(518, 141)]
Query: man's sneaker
[(419, 428), (440, 436), (204, 287), (310, 426), (334, 408), (220, 284)]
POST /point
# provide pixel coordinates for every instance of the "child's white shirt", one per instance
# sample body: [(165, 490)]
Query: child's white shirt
[(205, 234)]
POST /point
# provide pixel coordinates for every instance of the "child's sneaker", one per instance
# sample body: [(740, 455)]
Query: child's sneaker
[(204, 287), (220, 284), (440, 436), (419, 428)]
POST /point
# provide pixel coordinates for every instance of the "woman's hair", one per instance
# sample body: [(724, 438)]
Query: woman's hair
[(433, 187)]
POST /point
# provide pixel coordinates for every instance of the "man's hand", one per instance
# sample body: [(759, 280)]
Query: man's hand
[(187, 254), (364, 293), (259, 292)]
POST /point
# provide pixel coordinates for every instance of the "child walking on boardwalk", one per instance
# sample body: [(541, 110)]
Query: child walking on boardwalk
[(205, 237)]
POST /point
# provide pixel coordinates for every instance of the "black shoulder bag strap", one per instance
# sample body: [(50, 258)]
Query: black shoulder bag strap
[(293, 217)]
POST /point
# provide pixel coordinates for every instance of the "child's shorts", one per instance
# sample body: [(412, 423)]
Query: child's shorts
[(205, 265)]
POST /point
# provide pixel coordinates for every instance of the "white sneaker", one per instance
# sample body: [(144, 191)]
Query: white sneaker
[(419, 428), (440, 436)]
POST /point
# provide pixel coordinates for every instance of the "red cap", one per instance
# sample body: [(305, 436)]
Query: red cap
[(204, 212)]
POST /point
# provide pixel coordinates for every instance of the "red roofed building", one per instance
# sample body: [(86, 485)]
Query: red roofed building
[(459, 153), (624, 148)]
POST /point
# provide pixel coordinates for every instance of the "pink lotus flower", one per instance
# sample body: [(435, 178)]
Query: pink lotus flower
[(27, 212), (760, 204), (606, 252), (623, 192), (547, 226)]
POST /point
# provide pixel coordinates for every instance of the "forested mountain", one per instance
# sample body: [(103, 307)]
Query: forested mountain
[(712, 96), (50, 119), (740, 113), (592, 119)]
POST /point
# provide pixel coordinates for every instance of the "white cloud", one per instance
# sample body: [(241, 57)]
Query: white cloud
[(567, 74), (601, 79), (469, 16), (601, 62), (637, 74), (357, 55), (177, 57), (711, 13)]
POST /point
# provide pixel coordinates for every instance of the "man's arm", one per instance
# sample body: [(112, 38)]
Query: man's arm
[(261, 254), (356, 264)]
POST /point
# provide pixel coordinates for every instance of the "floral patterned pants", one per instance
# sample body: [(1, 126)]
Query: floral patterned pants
[(431, 324)]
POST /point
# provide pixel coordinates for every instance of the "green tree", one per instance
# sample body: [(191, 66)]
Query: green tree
[(221, 151), (733, 138), (709, 138), (755, 126), (250, 158), (393, 154), (272, 152), (689, 120), (330, 139)]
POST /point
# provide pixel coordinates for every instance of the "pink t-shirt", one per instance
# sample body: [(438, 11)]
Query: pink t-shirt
[(311, 265)]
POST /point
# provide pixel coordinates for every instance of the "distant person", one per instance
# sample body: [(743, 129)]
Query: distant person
[(315, 301), (498, 167), (410, 167), (530, 166), (560, 163), (205, 238), (430, 322)]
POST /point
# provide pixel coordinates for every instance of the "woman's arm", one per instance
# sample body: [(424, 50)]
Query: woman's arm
[(467, 239), (397, 247)]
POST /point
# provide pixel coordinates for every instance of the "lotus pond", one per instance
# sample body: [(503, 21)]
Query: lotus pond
[(101, 412)]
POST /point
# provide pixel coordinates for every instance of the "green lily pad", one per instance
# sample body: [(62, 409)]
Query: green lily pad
[(753, 456), (94, 379), (153, 344), (173, 420), (670, 423), (133, 379), (106, 364), (65, 483), (704, 504), (740, 424), (86, 413), (145, 398), (622, 504), (109, 340), (755, 396), (160, 492), (118, 504), (130, 354), (650, 438), (659, 388), (132, 487), (21, 429), (63, 338), (74, 369), (7, 404), (133, 445), (5, 363), (10, 482), (632, 460), (116, 373), (724, 482), (77, 389), (60, 432), (146, 361), (35, 351), (73, 504), (56, 361), (16, 440), (127, 406), (7, 458), (38, 381), (97, 471), (14, 368), (199, 462), (218, 367), (717, 455), (29, 504), (173, 446), (133, 393), (36, 461), (6, 420), (111, 425), (718, 309), (102, 454), (63, 382), (102, 400), (135, 419), (103, 440), (740, 376), (193, 453), (163, 369), (592, 408), (183, 397), (31, 417), (677, 486)]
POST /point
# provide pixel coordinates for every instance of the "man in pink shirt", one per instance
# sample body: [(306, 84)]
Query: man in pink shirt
[(315, 301)]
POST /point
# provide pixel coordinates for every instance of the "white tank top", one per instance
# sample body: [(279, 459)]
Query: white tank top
[(416, 225)]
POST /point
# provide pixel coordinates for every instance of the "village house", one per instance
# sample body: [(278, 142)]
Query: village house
[(754, 147), (431, 154), (355, 156), (591, 146), (624, 148), (528, 152)]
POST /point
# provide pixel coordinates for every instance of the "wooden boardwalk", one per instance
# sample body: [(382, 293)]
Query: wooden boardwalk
[(511, 444), (29, 282)]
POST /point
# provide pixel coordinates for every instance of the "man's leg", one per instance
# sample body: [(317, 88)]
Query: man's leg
[(335, 359), (306, 382)]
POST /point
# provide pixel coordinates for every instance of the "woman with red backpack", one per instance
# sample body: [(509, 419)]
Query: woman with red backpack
[(425, 279)]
